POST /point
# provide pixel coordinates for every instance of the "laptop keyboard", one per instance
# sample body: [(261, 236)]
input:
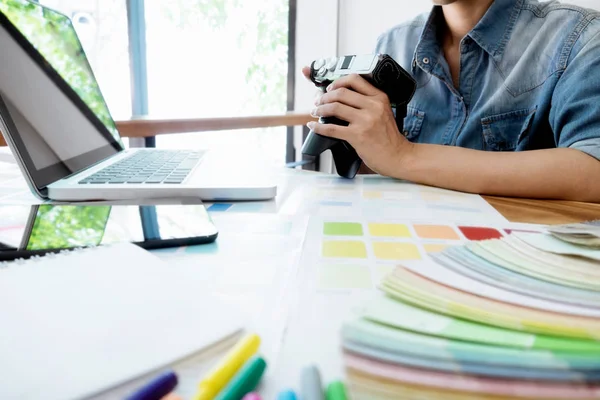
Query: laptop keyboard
[(154, 166)]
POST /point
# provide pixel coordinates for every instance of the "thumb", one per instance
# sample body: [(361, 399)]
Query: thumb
[(306, 72)]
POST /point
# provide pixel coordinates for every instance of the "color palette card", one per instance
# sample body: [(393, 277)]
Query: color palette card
[(395, 340), (441, 274), (490, 370), (356, 253), (584, 234), (504, 254), (365, 386), (387, 311), (463, 261), (373, 196), (410, 287), (551, 244), (469, 383)]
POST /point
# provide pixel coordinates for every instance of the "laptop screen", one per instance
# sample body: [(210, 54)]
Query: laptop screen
[(50, 102)]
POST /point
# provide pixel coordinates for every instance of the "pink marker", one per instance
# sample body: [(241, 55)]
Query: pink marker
[(252, 396)]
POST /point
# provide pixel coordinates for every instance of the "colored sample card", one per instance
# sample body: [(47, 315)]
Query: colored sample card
[(379, 180), (340, 276), (396, 251), (435, 248), (442, 232), (331, 203), (389, 230), (480, 233), (248, 207), (372, 195), (399, 195), (551, 244), (344, 249), (342, 229), (219, 207)]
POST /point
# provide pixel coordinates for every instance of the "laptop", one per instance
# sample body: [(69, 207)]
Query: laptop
[(57, 124)]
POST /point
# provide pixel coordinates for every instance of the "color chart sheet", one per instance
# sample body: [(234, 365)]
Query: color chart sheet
[(356, 254), (370, 196), (343, 263)]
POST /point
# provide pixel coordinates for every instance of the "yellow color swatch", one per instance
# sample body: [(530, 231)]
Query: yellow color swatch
[(389, 230), (442, 232), (435, 248), (344, 249), (340, 276), (372, 195), (396, 251)]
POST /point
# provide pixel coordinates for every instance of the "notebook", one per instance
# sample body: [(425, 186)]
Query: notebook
[(76, 324)]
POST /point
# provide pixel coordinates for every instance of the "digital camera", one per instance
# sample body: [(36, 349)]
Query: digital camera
[(383, 72)]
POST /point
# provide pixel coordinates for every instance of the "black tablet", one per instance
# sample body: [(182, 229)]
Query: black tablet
[(26, 231)]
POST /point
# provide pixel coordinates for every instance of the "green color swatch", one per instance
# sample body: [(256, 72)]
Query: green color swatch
[(342, 229)]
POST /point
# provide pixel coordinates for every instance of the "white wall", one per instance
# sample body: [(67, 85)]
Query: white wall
[(316, 36), (361, 22)]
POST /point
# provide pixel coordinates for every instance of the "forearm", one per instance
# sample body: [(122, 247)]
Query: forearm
[(549, 174)]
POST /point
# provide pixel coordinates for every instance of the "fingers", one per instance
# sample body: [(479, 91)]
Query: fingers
[(306, 72), (344, 96), (330, 130), (356, 83), (338, 110)]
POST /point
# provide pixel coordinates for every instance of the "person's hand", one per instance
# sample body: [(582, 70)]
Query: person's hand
[(372, 129), (306, 73)]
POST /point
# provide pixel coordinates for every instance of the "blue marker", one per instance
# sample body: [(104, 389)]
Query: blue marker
[(287, 395), (157, 388)]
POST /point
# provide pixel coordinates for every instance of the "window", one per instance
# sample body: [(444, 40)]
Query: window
[(209, 58), (202, 58), (102, 30)]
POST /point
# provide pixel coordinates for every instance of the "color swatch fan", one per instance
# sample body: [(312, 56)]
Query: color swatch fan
[(516, 316)]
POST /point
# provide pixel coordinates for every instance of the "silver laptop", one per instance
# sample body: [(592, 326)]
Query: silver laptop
[(57, 124)]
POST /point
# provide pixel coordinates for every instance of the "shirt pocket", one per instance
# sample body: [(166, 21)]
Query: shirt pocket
[(413, 123), (503, 132)]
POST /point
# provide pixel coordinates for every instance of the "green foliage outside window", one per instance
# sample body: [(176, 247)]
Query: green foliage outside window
[(57, 227), (54, 38)]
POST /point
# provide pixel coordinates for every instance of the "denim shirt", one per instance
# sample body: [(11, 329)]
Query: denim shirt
[(529, 79)]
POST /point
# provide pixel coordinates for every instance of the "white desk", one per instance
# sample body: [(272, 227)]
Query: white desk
[(258, 263)]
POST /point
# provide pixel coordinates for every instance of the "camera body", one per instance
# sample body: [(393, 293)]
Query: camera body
[(383, 72)]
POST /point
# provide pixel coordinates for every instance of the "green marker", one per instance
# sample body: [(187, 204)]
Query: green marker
[(245, 381), (336, 391)]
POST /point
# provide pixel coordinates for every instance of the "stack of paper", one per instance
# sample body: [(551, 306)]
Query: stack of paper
[(514, 317)]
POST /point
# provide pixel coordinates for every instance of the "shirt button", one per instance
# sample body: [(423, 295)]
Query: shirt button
[(426, 60)]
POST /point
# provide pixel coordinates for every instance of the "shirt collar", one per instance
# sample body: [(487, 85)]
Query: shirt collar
[(491, 33)]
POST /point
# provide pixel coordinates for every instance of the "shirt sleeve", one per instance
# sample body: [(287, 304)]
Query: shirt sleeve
[(575, 111), (589, 146)]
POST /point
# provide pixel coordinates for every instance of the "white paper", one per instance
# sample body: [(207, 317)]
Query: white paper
[(74, 325)]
